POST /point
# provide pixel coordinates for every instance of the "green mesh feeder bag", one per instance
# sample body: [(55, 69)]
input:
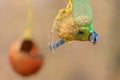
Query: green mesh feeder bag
[(82, 14)]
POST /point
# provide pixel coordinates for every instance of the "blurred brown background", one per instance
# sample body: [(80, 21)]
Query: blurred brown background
[(76, 61)]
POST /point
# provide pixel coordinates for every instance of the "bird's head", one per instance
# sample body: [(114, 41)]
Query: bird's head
[(93, 37)]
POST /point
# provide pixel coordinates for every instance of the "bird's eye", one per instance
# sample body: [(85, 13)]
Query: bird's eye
[(81, 32)]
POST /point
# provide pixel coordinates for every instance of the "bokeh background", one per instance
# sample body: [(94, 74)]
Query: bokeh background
[(75, 61)]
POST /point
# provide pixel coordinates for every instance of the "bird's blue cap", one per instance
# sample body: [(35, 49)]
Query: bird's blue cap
[(93, 37)]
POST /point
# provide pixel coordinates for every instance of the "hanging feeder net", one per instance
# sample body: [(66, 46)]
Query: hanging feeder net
[(82, 13)]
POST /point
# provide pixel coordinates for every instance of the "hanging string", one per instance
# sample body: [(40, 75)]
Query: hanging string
[(69, 6), (29, 20)]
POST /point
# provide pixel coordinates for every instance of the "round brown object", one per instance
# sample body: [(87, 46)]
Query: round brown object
[(24, 57), (66, 28)]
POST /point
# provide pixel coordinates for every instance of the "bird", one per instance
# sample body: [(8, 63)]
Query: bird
[(73, 23)]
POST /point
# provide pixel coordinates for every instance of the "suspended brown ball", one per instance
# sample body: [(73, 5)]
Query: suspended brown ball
[(25, 58), (65, 27)]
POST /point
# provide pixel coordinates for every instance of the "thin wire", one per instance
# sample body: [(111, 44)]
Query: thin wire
[(51, 40)]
